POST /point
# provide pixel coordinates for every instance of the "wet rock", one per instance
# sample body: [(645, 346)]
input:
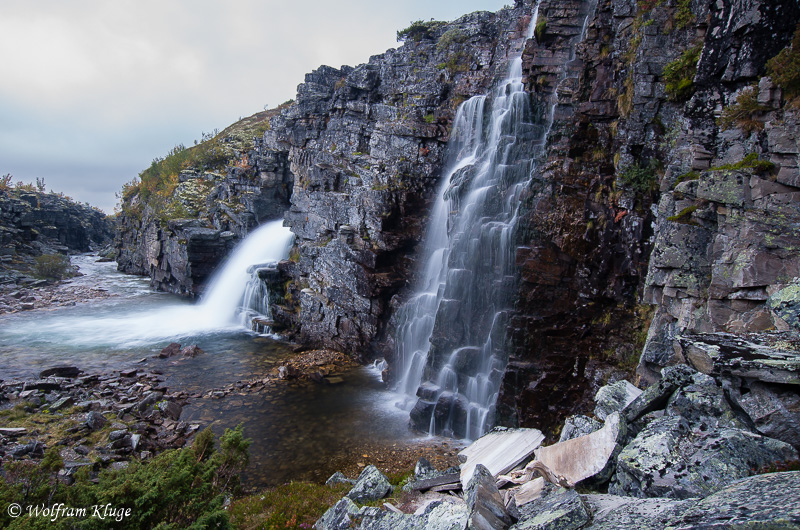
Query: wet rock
[(61, 371), (564, 510), (192, 351), (95, 420), (763, 501), (614, 398), (371, 485), (339, 478), (487, 510), (170, 351), (578, 425), (674, 458)]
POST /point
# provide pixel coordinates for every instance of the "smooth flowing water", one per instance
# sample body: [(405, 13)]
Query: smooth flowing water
[(299, 430), (451, 351)]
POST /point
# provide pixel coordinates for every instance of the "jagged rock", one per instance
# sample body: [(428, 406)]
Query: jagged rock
[(61, 371), (437, 515), (763, 501), (578, 425), (116, 435), (674, 458), (371, 485), (499, 450), (487, 510), (774, 411), (611, 512), (614, 398), (95, 420), (339, 478), (424, 469), (340, 516), (700, 400), (148, 401), (656, 395), (563, 510), (171, 350), (34, 449)]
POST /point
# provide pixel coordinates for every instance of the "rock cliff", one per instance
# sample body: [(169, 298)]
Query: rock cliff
[(664, 205)]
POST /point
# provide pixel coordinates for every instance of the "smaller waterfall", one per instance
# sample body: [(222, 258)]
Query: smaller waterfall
[(236, 292)]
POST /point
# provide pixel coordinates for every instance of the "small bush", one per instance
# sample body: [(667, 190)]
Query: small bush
[(784, 68), (418, 30), (641, 179), (743, 113), (52, 266), (679, 74), (540, 29), (450, 38)]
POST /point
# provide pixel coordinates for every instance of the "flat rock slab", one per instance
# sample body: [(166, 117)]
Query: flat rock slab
[(499, 450), (762, 501), (611, 512), (585, 456), (13, 431)]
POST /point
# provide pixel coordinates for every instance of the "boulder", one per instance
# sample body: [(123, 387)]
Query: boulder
[(674, 458), (371, 485), (578, 425), (612, 512), (340, 516), (339, 478), (614, 398), (62, 403), (702, 400), (774, 411), (785, 304), (171, 350), (95, 420), (170, 409), (762, 501), (656, 396), (487, 510), (564, 510), (192, 351), (61, 371)]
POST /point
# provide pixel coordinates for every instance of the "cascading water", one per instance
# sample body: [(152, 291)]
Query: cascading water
[(451, 335), (236, 292)]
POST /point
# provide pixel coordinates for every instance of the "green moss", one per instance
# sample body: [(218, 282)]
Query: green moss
[(784, 68), (684, 216), (750, 161), (686, 177), (429, 118), (451, 37), (293, 505), (679, 74), (541, 29)]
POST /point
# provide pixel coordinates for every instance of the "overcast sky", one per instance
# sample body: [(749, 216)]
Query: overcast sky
[(92, 90)]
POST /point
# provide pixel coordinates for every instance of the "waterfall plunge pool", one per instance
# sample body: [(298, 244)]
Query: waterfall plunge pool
[(300, 431)]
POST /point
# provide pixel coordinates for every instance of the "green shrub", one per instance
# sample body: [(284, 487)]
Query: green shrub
[(418, 30), (679, 74), (450, 38), (742, 114), (180, 488), (784, 68), (641, 179), (52, 266)]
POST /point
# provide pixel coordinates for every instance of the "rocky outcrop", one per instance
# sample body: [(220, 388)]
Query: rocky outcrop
[(34, 223), (215, 211)]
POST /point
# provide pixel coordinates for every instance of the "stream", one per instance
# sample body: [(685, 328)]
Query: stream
[(300, 431)]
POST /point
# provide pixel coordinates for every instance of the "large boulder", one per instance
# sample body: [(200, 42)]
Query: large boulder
[(487, 510), (614, 398), (672, 457), (559, 511), (371, 485)]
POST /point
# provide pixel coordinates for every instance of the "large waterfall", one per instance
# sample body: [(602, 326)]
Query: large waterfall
[(451, 353)]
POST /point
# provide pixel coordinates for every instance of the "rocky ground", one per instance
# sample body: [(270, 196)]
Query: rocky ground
[(43, 294)]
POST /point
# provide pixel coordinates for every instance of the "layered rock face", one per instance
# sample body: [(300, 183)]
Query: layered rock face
[(366, 147), (180, 254)]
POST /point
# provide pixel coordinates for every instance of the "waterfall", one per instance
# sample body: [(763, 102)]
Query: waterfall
[(450, 340), (236, 292)]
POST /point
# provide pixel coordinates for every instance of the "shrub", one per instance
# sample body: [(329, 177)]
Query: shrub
[(418, 30), (643, 179), (679, 74), (52, 266), (784, 68), (180, 488), (451, 37), (743, 113), (540, 29)]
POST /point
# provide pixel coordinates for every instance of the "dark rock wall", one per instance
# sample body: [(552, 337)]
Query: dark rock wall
[(27, 218)]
